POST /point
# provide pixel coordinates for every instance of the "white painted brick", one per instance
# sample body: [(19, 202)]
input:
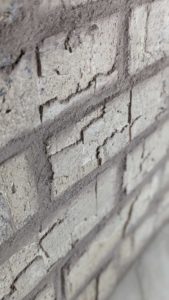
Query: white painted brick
[(55, 107), (149, 39), (143, 234), (18, 101), (145, 156), (57, 242), (110, 134), (128, 288), (78, 59), (21, 259), (107, 280), (153, 270), (15, 265), (82, 215), (81, 162), (126, 252), (114, 145), (107, 189), (150, 101), (82, 157), (89, 293), (28, 280), (5, 220), (133, 244), (76, 221), (142, 200), (48, 293), (18, 188), (96, 253), (71, 135), (6, 279)]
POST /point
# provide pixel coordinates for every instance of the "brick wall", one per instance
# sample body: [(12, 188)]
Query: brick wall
[(84, 144)]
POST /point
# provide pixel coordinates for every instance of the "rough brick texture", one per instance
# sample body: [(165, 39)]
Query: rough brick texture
[(84, 143)]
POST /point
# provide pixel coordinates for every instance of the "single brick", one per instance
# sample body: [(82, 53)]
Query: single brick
[(110, 134), (29, 279), (98, 251), (6, 279), (18, 101), (134, 243), (152, 263), (89, 292), (94, 47), (93, 148), (143, 200), (149, 39), (5, 220), (21, 259), (18, 188), (70, 165), (48, 293), (107, 281), (145, 156), (149, 102), (107, 190)]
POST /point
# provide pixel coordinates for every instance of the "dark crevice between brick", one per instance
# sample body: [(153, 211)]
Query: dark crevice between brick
[(41, 113), (130, 115), (38, 62)]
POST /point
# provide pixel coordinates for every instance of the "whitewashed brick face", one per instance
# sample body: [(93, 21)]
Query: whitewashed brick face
[(148, 34), (145, 157), (71, 225), (71, 61), (77, 274), (29, 279), (84, 105), (18, 101), (18, 189), (150, 102)]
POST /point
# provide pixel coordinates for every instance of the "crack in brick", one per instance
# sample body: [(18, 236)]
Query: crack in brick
[(13, 288), (92, 82), (67, 42), (43, 250), (99, 159), (81, 133), (143, 158)]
